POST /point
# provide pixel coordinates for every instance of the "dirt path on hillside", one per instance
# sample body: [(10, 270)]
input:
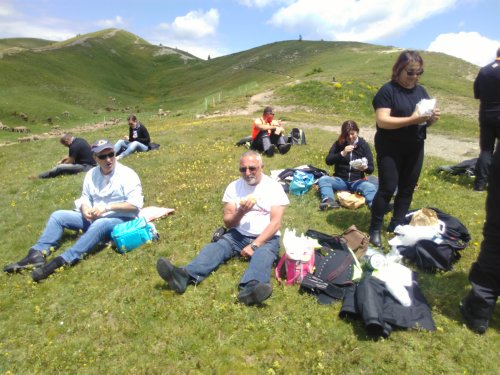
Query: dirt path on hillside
[(446, 147)]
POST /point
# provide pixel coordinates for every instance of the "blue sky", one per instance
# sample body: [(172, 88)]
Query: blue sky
[(463, 28)]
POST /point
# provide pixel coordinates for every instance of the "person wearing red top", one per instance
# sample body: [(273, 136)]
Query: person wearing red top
[(267, 134)]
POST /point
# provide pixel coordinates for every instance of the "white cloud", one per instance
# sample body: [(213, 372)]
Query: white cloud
[(6, 10), (363, 21), (22, 29), (469, 46), (194, 25), (263, 3), (114, 22), (194, 33)]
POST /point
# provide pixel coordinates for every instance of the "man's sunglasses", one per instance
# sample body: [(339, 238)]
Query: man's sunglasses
[(105, 156), (251, 169), (412, 73)]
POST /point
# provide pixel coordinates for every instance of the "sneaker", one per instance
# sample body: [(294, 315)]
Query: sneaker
[(478, 325), (255, 293), (328, 203), (34, 259), (176, 278)]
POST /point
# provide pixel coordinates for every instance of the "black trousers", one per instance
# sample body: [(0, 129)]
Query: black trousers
[(263, 141), (485, 272), (489, 133), (399, 166)]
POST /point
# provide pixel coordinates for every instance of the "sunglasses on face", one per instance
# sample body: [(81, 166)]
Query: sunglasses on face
[(412, 73), (251, 169), (105, 156)]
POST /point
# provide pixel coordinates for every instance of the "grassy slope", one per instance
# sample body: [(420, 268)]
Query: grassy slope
[(112, 313)]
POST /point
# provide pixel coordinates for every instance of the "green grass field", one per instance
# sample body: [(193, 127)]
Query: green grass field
[(112, 313)]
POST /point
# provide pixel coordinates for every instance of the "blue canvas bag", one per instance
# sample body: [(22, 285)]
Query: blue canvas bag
[(301, 182), (132, 234)]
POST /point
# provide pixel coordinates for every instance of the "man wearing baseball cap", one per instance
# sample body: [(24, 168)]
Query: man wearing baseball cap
[(112, 194)]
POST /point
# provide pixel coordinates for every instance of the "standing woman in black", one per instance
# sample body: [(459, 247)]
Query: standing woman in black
[(399, 140)]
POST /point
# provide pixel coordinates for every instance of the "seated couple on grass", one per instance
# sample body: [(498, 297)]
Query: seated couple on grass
[(352, 160), (254, 206)]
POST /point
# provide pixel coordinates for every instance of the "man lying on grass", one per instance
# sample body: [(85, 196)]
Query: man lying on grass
[(112, 194), (253, 209)]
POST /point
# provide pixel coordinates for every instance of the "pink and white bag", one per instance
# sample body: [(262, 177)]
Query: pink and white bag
[(298, 259)]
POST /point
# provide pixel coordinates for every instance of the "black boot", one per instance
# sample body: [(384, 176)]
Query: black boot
[(48, 269), (34, 259), (283, 149), (255, 292), (375, 238), (176, 278), (270, 151)]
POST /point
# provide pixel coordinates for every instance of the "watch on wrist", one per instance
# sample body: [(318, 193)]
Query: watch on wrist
[(253, 246)]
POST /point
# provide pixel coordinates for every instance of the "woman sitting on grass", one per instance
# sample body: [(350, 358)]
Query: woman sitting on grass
[(348, 176)]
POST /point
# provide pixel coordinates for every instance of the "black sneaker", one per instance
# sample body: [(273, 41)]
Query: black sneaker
[(478, 325), (176, 278), (328, 203), (255, 293), (34, 259)]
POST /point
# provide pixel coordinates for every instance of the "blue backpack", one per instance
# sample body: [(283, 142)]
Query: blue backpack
[(132, 234), (301, 182)]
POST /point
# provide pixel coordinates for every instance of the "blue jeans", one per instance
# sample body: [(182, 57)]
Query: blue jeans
[(229, 246), (94, 232), (130, 147), (328, 185)]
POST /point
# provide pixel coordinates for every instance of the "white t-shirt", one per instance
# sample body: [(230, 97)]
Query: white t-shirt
[(267, 193)]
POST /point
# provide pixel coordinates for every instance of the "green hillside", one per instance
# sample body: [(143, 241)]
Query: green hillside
[(113, 72), (13, 45)]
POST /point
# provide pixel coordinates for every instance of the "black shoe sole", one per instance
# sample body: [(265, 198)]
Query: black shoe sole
[(13, 268), (259, 294), (166, 271)]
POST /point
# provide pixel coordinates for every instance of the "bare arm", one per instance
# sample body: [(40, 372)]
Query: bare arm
[(271, 229), (261, 125), (232, 215), (386, 121)]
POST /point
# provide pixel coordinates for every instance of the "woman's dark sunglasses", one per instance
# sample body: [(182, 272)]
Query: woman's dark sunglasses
[(105, 156), (412, 73), (251, 169)]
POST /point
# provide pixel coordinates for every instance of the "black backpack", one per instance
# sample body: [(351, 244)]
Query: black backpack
[(297, 137), (431, 256), (333, 269)]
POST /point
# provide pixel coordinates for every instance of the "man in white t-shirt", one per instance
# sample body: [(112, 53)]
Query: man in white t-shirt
[(253, 209)]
